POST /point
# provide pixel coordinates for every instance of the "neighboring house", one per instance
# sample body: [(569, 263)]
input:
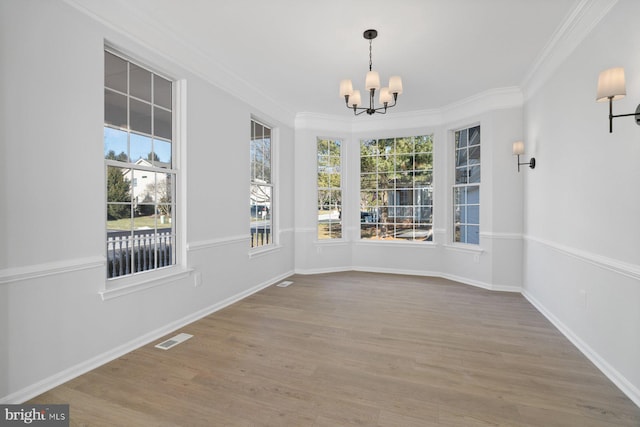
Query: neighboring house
[(147, 186)]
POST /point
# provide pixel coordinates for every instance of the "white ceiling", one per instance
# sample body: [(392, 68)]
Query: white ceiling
[(295, 52)]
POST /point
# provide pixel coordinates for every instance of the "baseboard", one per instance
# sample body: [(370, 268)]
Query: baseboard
[(459, 279), (480, 284), (62, 377), (616, 377), (322, 270)]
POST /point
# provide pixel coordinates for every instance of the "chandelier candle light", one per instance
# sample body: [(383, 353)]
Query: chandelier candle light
[(372, 83)]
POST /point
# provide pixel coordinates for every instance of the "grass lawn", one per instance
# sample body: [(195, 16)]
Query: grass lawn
[(139, 222)]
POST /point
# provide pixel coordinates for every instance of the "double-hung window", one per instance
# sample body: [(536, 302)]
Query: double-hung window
[(329, 188), (261, 192), (466, 188), (396, 188), (140, 170)]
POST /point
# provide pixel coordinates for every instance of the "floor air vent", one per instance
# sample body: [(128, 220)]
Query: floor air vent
[(172, 342), (284, 284)]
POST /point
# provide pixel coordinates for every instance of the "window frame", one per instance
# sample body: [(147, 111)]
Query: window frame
[(427, 172), (127, 283), (330, 188), (467, 203), (272, 211)]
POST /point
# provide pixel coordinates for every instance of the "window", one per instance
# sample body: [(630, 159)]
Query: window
[(140, 174), (261, 194), (466, 190), (329, 189), (396, 188)]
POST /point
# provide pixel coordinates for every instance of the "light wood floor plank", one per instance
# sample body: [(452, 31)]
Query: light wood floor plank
[(359, 349)]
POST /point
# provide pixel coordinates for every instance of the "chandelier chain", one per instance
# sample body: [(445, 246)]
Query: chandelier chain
[(370, 60)]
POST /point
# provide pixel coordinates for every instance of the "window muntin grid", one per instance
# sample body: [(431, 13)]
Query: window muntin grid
[(329, 183), (466, 188), (261, 192), (396, 188), (140, 177)]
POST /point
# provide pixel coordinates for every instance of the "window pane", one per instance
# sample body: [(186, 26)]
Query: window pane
[(404, 146), (461, 139), (140, 83), (141, 148), (386, 146), (461, 157), (368, 164), (473, 214), (162, 92), (473, 234), (118, 184), (461, 175), (404, 162), (423, 161), (140, 116), (423, 144), (423, 178), (115, 144), (115, 109), (474, 173), (474, 155), (162, 150), (368, 147), (115, 72), (162, 123), (473, 194), (474, 136)]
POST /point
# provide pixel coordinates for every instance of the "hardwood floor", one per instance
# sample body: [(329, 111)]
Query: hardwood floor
[(362, 349)]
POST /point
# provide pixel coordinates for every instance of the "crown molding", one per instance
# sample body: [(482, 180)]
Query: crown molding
[(490, 100), (582, 19), (138, 27)]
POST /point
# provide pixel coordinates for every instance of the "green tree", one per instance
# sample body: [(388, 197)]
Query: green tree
[(118, 190), (153, 157)]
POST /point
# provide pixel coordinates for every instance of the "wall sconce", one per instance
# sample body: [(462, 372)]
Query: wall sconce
[(518, 149), (611, 86)]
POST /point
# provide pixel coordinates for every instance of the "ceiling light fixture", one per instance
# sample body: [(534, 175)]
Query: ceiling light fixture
[(372, 83)]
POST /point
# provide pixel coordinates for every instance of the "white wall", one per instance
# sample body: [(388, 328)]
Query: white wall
[(582, 246), (53, 322)]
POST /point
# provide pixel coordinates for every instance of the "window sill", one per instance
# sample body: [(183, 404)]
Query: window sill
[(261, 251), (127, 285), (464, 247), (331, 242), (408, 243)]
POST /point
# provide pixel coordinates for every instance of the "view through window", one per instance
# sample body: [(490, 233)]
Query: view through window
[(140, 175), (261, 193), (329, 189), (396, 188), (466, 190)]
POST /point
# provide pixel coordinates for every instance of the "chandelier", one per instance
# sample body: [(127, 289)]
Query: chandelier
[(372, 83)]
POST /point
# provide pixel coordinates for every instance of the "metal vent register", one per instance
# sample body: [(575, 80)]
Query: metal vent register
[(172, 342)]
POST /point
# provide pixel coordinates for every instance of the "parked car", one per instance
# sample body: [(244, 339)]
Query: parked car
[(366, 216), (259, 211)]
